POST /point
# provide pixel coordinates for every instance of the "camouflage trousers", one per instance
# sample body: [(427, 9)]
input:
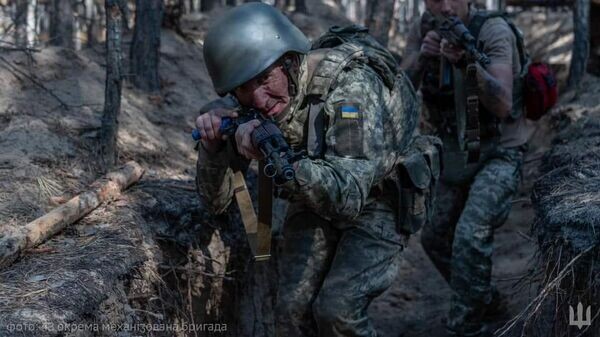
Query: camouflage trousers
[(459, 240), (330, 271)]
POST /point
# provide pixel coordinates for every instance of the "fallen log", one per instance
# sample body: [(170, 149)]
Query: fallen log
[(12, 244)]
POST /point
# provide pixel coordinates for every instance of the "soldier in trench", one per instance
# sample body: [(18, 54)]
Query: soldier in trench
[(341, 248), (474, 198)]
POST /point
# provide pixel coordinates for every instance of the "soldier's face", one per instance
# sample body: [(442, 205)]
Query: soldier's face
[(268, 92), (459, 8)]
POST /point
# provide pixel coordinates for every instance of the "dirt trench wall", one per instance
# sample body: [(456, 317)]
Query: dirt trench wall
[(567, 224), (208, 275)]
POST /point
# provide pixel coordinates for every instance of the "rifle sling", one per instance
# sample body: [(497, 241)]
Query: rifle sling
[(258, 230), (265, 214), (472, 132)]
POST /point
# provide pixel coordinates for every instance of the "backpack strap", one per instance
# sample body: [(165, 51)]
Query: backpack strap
[(332, 61), (481, 17)]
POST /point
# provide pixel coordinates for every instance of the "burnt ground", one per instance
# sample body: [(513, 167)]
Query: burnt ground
[(155, 255)]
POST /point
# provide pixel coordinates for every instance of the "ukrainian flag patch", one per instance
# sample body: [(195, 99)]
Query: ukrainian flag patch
[(349, 110)]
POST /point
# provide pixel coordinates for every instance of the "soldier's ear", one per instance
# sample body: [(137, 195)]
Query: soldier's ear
[(291, 64), (290, 61)]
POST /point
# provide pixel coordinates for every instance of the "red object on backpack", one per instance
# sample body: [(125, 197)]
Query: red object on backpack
[(540, 91)]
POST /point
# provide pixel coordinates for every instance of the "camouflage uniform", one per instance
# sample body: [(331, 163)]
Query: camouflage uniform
[(460, 239), (340, 247), (472, 199)]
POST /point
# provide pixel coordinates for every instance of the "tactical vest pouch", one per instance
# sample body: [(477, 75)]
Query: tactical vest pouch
[(415, 178)]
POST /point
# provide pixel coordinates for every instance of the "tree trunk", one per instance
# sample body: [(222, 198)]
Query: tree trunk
[(145, 46), (31, 23), (125, 15), (379, 20), (61, 24), (173, 11), (207, 5), (594, 61), (301, 7), (194, 6), (114, 79), (501, 5), (581, 45), (20, 22), (90, 14), (416, 11)]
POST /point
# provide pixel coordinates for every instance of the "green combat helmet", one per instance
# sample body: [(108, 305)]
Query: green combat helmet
[(246, 41)]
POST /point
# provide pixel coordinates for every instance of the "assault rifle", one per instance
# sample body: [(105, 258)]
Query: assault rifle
[(267, 137), (456, 33), (453, 30)]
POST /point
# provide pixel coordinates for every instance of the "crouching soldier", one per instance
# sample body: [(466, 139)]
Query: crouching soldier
[(334, 100)]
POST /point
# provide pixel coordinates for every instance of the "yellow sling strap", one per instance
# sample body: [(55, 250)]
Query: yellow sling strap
[(258, 229)]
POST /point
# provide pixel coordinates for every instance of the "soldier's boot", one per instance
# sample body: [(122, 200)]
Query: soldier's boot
[(498, 307), (496, 311)]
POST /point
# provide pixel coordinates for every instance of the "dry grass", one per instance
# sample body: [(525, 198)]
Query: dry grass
[(567, 228)]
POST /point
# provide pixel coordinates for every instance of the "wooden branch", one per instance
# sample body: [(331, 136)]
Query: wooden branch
[(41, 229), (23, 49)]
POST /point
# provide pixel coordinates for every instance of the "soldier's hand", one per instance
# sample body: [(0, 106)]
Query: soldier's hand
[(208, 124), (243, 139), (453, 53), (430, 46)]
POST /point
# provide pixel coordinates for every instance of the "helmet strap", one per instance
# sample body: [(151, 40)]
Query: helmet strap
[(290, 64)]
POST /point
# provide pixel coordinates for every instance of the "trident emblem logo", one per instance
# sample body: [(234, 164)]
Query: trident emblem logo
[(581, 320)]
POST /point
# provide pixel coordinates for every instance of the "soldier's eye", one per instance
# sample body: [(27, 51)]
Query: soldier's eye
[(263, 79)]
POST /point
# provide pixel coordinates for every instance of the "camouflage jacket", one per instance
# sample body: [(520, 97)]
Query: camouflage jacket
[(338, 182)]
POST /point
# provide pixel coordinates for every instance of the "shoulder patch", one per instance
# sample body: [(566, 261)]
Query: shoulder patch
[(348, 130), (348, 110)]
